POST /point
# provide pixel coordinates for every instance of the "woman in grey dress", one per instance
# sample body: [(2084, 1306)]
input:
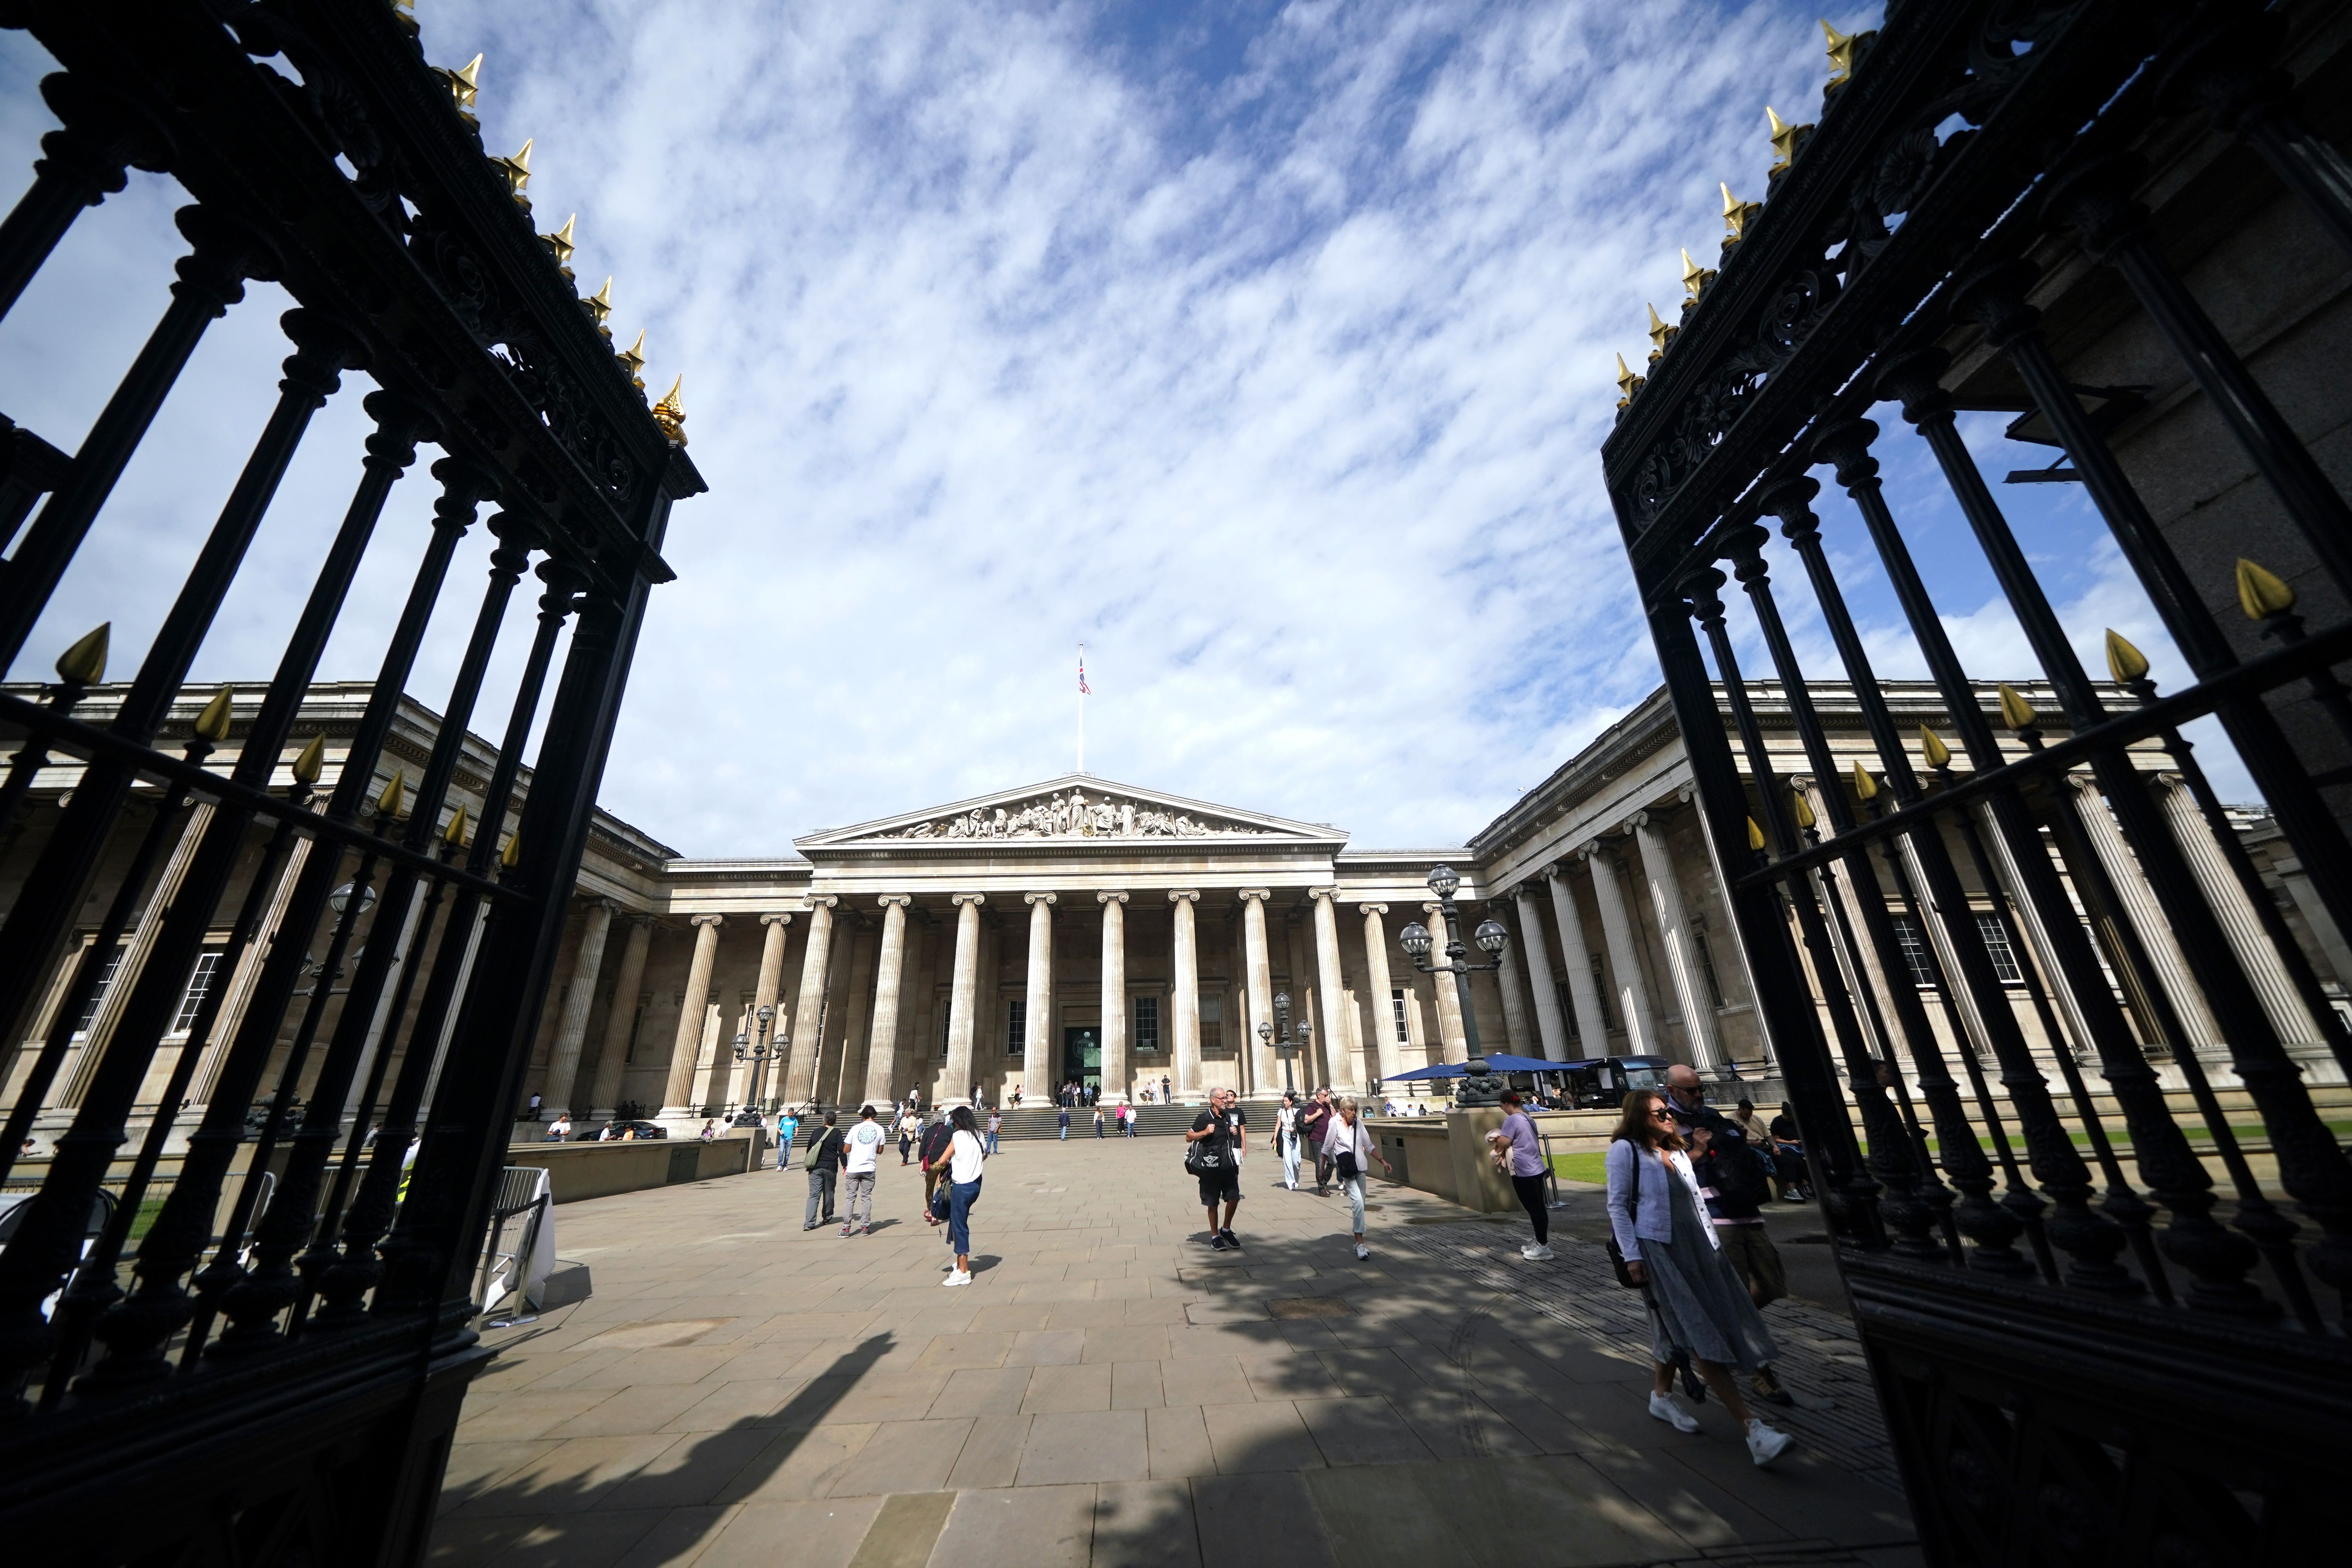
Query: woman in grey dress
[(1696, 1304)]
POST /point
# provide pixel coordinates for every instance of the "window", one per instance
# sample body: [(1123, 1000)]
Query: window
[(1913, 944), (1396, 1006), (1567, 1008), (98, 992), (1017, 1027), (1146, 1030), (1601, 990), (947, 1023), (2005, 957), (200, 986), (1212, 1025), (1706, 962), (637, 1022)]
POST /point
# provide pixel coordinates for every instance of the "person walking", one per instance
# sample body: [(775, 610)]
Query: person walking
[(788, 1130), (1065, 1116), (907, 1126), (1314, 1122), (861, 1151), (1221, 1130), (1126, 1120), (958, 1164), (1098, 1123), (1520, 1153), (823, 1163), (1348, 1144), (995, 1126), (1286, 1138), (1734, 1180), (1697, 1310), (936, 1134)]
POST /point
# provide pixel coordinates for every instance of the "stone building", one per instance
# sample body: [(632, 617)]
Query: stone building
[(1082, 928)]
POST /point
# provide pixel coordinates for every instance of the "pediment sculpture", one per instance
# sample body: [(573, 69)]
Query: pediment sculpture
[(1074, 815)]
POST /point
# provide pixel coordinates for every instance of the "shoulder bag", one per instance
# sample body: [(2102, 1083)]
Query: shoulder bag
[(1207, 1156), (1616, 1255)]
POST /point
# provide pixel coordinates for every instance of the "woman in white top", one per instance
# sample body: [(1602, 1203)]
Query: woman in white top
[(961, 1160), (1697, 1306), (1286, 1138), (1348, 1144)]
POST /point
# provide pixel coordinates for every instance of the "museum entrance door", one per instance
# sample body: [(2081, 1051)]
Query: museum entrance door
[(1082, 1057)]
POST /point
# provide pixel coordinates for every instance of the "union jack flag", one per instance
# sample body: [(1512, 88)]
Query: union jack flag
[(1083, 689)]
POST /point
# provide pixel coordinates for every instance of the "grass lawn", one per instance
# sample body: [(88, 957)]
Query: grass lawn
[(1580, 1167)]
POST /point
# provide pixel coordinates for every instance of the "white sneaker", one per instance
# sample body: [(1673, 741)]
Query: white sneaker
[(1539, 1255), (1363, 1253), (1528, 1250), (1664, 1408), (960, 1277), (1765, 1444)]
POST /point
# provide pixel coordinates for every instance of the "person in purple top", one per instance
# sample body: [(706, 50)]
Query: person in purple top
[(1521, 1152)]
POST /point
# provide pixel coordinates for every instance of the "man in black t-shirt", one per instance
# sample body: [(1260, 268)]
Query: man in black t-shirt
[(1222, 1132), (824, 1165)]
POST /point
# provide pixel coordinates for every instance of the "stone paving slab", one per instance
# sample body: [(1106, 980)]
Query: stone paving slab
[(1109, 1390)]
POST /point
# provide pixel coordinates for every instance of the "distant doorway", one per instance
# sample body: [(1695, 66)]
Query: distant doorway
[(1082, 1057)]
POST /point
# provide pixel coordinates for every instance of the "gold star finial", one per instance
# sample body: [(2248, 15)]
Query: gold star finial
[(1660, 335), (670, 413), (1784, 139), (1627, 382), (517, 170), (559, 244), (600, 304), (1695, 276), (1737, 215), (632, 359), (1841, 55), (465, 84)]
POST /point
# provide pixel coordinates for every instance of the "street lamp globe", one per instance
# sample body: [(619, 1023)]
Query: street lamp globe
[(340, 898), (1414, 939), (1282, 1001), (1443, 882), (767, 1014), (1491, 936), (1266, 1031)]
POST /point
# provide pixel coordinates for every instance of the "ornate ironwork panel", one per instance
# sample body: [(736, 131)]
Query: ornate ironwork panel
[(267, 1349), (2099, 1266)]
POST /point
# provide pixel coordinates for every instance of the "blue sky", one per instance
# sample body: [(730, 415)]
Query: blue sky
[(1265, 349)]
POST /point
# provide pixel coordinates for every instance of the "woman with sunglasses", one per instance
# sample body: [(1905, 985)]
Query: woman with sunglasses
[(1697, 1306)]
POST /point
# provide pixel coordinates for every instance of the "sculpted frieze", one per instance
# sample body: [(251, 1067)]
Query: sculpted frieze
[(1074, 815)]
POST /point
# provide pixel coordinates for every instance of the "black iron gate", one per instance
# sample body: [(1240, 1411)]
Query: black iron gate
[(2103, 1329), (195, 1399)]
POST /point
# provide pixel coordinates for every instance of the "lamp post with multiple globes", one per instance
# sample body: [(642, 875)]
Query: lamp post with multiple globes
[(759, 1054), (1278, 1035), (1491, 936)]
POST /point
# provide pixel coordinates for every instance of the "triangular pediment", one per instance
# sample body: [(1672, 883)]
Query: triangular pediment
[(1075, 809)]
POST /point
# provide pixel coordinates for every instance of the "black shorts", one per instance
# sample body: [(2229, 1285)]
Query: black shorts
[(1221, 1186)]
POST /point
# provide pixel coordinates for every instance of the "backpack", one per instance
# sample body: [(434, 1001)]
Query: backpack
[(1210, 1157), (815, 1156), (1739, 1173)]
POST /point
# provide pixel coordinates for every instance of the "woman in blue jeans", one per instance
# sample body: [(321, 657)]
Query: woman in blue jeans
[(960, 1161)]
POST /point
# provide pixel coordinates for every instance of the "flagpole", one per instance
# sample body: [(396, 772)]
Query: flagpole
[(1082, 708)]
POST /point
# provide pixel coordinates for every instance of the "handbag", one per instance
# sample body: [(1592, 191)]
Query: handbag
[(1206, 1156), (1346, 1161), (1616, 1256), (940, 1208)]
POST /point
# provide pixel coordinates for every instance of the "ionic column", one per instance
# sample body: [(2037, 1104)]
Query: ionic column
[(776, 929), (1376, 973), (688, 1047), (1453, 1045), (2146, 917), (1576, 956), (1624, 963), (1114, 997), (563, 1063), (2282, 1003), (882, 1040), (1682, 964), (1185, 1010), (143, 933), (964, 998), (1040, 1066), (800, 1078), (1551, 1029), (1512, 981), (620, 1021), (1258, 992), (1334, 1042)]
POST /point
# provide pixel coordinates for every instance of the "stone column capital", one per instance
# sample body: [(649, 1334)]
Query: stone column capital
[(1184, 895), (1259, 894), (1434, 908), (1685, 795), (610, 906), (1110, 897), (2167, 779), (1638, 820), (2086, 784), (1041, 898), (960, 899), (1558, 869), (782, 918), (901, 900), (1371, 908), (821, 900), (1332, 893), (708, 921)]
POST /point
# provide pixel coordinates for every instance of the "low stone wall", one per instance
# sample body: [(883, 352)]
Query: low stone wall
[(1446, 1155), (576, 1171)]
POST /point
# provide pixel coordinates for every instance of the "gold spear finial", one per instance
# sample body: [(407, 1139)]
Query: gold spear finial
[(632, 359), (2015, 710), (1932, 748), (1660, 335), (465, 84), (600, 304), (404, 12), (212, 722), (2262, 593), (454, 834), (308, 762), (1804, 806), (1627, 383), (2125, 662), (1864, 786), (84, 664), (559, 244), (1784, 139), (670, 413), (1695, 276), (1841, 55), (511, 854), (1755, 834), (517, 170), (1737, 215), (388, 804)]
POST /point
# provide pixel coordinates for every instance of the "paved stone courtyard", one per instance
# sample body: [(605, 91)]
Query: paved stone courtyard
[(1108, 1391)]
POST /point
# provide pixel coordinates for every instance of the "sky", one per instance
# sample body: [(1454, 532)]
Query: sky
[(1266, 349)]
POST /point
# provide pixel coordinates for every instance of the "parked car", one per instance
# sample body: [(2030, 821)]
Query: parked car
[(641, 1129)]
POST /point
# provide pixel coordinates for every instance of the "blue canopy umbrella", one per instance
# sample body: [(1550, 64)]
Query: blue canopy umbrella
[(1531, 1063), (1435, 1069)]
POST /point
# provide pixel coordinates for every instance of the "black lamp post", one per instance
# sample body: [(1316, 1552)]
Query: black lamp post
[(1278, 1035), (758, 1054), (1491, 937)]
